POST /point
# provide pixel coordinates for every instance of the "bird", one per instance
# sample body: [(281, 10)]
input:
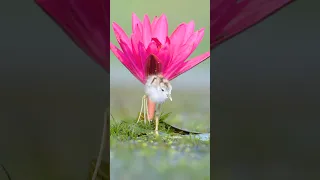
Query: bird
[(155, 58), (157, 91)]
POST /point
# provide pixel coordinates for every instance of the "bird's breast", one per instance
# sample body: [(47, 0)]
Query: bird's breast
[(155, 95)]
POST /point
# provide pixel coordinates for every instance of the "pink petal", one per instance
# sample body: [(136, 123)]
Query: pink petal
[(147, 34), (130, 57), (186, 50), (153, 24), (153, 48), (160, 30), (176, 39), (135, 21), (143, 57), (135, 39), (191, 44), (184, 53), (124, 60), (164, 57), (136, 55), (170, 73), (189, 31), (190, 64), (200, 34), (119, 33)]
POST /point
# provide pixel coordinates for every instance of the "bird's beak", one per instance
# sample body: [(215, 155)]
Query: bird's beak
[(169, 96)]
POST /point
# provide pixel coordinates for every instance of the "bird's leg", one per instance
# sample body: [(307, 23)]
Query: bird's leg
[(142, 108), (145, 109), (157, 116)]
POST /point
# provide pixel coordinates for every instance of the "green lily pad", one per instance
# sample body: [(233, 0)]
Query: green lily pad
[(179, 123)]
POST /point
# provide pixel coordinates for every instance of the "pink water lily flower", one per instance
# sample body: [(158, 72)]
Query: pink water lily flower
[(152, 38)]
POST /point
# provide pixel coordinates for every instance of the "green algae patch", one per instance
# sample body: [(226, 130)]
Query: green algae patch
[(136, 152)]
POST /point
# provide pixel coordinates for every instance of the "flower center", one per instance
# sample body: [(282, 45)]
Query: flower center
[(158, 43), (153, 65)]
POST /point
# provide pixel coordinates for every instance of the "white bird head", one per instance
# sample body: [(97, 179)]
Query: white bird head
[(158, 89)]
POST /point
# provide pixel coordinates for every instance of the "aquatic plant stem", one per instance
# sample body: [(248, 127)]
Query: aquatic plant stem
[(6, 172), (151, 109), (102, 144)]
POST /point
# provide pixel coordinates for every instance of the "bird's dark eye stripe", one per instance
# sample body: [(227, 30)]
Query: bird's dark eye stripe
[(153, 79)]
